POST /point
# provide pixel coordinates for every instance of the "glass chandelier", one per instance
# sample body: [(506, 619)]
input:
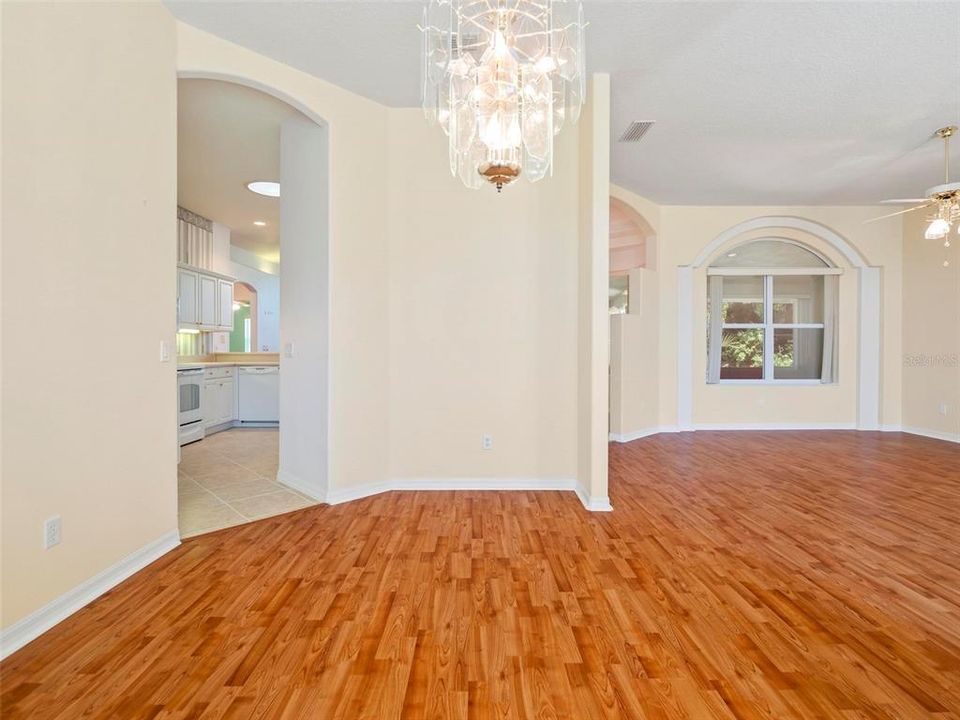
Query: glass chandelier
[(502, 77)]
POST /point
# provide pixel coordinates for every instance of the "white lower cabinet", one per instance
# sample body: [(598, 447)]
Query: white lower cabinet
[(219, 397), (228, 401)]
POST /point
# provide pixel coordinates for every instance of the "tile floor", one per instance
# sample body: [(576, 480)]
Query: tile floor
[(229, 478)]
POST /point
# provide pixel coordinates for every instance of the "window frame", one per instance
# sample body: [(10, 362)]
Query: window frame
[(768, 326)]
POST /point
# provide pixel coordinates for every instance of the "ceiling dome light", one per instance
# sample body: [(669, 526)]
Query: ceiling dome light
[(265, 187), (937, 229), (501, 79)]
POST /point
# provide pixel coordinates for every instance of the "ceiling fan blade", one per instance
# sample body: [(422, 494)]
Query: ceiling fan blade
[(904, 201), (901, 212)]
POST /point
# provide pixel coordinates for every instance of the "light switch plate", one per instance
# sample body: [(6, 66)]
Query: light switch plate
[(164, 351), (288, 349)]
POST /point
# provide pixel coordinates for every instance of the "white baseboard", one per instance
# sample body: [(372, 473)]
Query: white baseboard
[(935, 434), (594, 503), (336, 497), (292, 481), (23, 631), (775, 426), (645, 432), (483, 484)]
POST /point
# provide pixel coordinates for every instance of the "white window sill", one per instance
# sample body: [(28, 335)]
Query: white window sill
[(771, 382)]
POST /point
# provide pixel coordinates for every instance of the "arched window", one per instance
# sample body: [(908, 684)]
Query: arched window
[(772, 314)]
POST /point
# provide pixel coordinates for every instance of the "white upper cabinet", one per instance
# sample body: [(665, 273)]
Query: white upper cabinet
[(208, 301), (225, 309), (204, 300), (188, 282)]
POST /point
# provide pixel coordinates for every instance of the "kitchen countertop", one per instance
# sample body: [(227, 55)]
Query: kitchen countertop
[(200, 365)]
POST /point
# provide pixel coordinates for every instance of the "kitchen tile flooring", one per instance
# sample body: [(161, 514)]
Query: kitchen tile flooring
[(229, 478)]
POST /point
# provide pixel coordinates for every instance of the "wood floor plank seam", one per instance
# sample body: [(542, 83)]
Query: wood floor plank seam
[(809, 575)]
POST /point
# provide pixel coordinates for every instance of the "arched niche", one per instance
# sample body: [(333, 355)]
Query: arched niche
[(630, 238)]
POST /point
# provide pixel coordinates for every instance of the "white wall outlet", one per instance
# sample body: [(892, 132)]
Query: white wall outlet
[(51, 532), (288, 349), (487, 442), (944, 409), (164, 351)]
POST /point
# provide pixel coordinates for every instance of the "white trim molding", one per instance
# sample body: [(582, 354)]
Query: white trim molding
[(23, 631), (685, 348), (649, 432), (869, 338), (934, 434), (593, 503), (738, 271), (642, 433), (301, 486), (778, 426), (782, 221), (336, 497)]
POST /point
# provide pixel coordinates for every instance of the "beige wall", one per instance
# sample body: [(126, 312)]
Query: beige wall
[(482, 313), (931, 331), (89, 200), (683, 232), (453, 311)]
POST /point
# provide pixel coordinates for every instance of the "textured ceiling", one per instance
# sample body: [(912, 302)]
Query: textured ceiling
[(228, 136), (755, 103)]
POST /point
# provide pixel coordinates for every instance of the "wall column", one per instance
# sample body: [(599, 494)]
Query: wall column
[(869, 350), (593, 353)]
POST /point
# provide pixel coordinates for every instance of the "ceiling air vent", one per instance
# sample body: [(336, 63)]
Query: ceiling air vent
[(635, 131)]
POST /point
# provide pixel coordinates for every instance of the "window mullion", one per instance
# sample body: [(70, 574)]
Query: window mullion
[(768, 327)]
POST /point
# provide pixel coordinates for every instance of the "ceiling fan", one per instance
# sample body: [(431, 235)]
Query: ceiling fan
[(944, 199)]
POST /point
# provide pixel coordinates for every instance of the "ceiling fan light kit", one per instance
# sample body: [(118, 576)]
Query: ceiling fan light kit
[(937, 229), (945, 199)]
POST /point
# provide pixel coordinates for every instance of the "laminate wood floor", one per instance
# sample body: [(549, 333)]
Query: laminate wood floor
[(740, 575)]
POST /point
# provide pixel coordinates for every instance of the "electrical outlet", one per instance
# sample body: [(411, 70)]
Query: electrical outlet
[(487, 442), (51, 532), (944, 409)]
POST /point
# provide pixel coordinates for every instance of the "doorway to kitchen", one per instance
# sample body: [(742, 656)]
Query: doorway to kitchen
[(234, 216)]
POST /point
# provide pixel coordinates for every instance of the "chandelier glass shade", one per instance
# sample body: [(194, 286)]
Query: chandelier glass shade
[(501, 78)]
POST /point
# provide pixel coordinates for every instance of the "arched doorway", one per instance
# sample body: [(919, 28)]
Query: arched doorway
[(244, 335), (304, 296)]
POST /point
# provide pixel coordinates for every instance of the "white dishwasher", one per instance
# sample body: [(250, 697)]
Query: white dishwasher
[(259, 394)]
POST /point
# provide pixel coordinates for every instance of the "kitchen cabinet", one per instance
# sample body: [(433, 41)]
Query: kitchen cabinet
[(225, 304), (208, 301), (219, 397), (204, 300), (188, 300)]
